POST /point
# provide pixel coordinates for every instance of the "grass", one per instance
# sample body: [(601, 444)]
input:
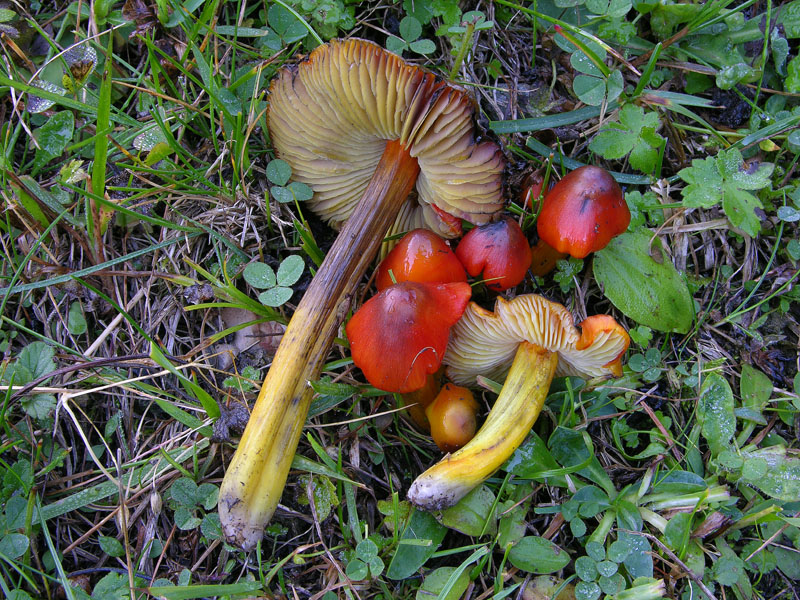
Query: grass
[(144, 215)]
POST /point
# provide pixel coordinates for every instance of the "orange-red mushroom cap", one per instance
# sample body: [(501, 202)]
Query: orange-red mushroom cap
[(452, 417), (423, 257), (498, 250), (400, 335), (583, 212)]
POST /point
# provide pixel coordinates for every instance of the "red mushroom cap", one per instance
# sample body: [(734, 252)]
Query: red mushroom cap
[(583, 212), (423, 257), (400, 335), (500, 250)]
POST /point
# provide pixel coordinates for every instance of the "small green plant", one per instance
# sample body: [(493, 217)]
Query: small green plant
[(276, 286), (410, 30), (634, 135), (279, 173), (648, 364), (33, 362), (193, 503), (242, 381), (322, 490), (567, 271), (365, 561), (727, 180)]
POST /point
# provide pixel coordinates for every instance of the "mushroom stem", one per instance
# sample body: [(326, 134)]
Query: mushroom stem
[(511, 418), (545, 258), (255, 479)]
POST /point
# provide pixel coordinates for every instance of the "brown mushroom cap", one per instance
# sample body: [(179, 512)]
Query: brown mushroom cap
[(485, 343), (331, 116)]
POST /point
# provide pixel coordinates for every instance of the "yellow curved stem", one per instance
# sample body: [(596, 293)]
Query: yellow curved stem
[(511, 418), (255, 479)]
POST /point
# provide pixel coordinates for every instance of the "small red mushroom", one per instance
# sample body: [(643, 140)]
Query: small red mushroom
[(580, 215), (399, 336), (421, 256), (499, 250), (452, 417)]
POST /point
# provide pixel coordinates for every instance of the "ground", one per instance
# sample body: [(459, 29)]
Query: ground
[(154, 247)]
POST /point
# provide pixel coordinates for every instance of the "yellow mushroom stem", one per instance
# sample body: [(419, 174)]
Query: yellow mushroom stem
[(255, 479), (511, 418)]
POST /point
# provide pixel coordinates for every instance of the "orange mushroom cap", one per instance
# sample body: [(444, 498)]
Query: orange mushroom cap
[(499, 250), (452, 417), (583, 212), (400, 335), (423, 257)]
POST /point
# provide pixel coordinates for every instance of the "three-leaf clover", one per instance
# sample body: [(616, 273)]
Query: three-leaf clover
[(592, 85), (410, 30), (648, 364), (366, 562), (278, 173), (635, 134), (727, 179), (275, 285)]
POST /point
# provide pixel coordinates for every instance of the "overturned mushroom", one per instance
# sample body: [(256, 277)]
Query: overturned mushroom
[(361, 127), (528, 340)]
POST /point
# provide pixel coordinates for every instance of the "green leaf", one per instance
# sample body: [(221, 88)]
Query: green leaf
[(38, 406), (300, 191), (283, 195), (471, 514), (276, 296), (113, 586), (774, 471), (634, 134), (589, 89), (14, 545), (538, 555), (396, 45), (755, 388), (37, 358), (52, 138), (279, 172), (677, 531), (76, 322), (435, 581), (325, 499), (290, 270), (423, 46), (792, 82), (184, 492), (727, 179), (410, 29), (111, 546), (649, 291), (425, 534), (260, 275), (715, 413), (728, 569), (357, 570), (587, 590)]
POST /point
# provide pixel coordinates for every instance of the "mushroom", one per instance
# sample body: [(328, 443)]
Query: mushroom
[(498, 250), (399, 336), (527, 340), (420, 256), (452, 417), (580, 215), (360, 127)]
